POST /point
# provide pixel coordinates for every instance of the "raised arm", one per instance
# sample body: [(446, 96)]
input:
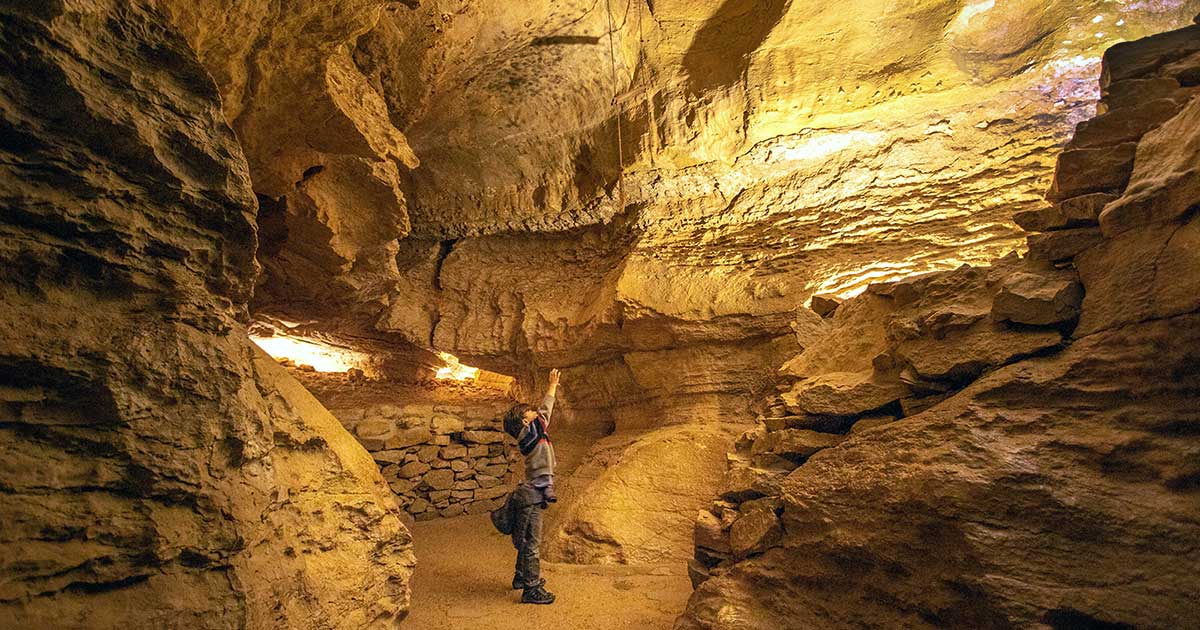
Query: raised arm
[(548, 402)]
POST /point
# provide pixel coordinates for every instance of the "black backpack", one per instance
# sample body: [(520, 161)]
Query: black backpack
[(504, 516)]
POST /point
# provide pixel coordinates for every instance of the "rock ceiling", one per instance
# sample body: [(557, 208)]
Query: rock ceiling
[(445, 172)]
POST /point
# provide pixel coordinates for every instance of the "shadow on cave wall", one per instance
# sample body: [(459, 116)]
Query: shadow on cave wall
[(720, 53)]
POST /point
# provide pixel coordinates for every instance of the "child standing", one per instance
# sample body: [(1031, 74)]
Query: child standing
[(529, 426)]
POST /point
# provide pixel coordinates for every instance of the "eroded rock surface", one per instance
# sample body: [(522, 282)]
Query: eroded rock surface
[(1057, 490), (156, 470)]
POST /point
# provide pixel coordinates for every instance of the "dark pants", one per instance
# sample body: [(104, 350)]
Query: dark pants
[(527, 537)]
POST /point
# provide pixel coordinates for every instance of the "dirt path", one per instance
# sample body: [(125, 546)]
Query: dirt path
[(465, 567)]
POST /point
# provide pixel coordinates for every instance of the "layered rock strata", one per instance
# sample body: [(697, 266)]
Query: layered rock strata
[(1058, 489), (156, 470)]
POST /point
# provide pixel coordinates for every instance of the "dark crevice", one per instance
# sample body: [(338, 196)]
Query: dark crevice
[(1071, 619), (559, 40), (310, 173), (444, 250)]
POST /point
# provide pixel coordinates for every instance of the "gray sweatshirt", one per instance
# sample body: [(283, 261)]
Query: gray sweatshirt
[(535, 444)]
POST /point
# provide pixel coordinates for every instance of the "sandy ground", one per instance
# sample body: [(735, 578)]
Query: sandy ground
[(464, 570)]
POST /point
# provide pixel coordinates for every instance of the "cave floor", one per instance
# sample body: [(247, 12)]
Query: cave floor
[(464, 568)]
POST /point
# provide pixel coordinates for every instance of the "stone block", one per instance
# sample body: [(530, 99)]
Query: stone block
[(1127, 124), (482, 437), (494, 471), (428, 453), (438, 496), (799, 443), (413, 469), (1038, 299), (409, 437), (1084, 171), (491, 493), (478, 451), (389, 456), (465, 484), (459, 464), (444, 425), (843, 394), (709, 533), (754, 532), (487, 481), (374, 428), (453, 510), (454, 451), (439, 479), (1063, 244)]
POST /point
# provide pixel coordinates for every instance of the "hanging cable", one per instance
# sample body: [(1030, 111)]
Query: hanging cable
[(612, 58)]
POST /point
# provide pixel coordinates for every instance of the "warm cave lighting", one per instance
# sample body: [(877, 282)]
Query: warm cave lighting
[(455, 371), (321, 356)]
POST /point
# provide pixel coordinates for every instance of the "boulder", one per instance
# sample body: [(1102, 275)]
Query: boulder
[(1141, 58), (1038, 299), (871, 422), (1127, 124), (388, 457), (754, 532), (1063, 244), (710, 534), (1142, 274), (641, 504), (1075, 212), (843, 394), (825, 305), (1165, 184), (1083, 171), (798, 443), (1029, 484), (964, 357), (374, 428)]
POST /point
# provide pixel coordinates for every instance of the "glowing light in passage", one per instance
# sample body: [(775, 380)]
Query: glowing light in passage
[(823, 146), (852, 283), (970, 11), (323, 357), (454, 370)]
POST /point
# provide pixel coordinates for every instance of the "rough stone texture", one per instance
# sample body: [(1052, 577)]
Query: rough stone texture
[(1058, 491), (843, 394), (1038, 299), (640, 505), (771, 153), (157, 471), (1166, 177), (1037, 525), (444, 174)]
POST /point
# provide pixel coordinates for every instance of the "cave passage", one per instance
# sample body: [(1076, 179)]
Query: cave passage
[(761, 315)]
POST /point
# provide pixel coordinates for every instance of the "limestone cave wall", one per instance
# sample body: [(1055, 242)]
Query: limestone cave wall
[(156, 470), (1004, 446), (445, 174)]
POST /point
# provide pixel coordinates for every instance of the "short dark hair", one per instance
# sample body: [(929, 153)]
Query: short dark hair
[(514, 419)]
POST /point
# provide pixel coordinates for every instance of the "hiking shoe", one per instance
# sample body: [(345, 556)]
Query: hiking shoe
[(519, 583), (537, 595)]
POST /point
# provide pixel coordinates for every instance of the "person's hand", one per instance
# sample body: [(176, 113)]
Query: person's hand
[(554, 375)]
